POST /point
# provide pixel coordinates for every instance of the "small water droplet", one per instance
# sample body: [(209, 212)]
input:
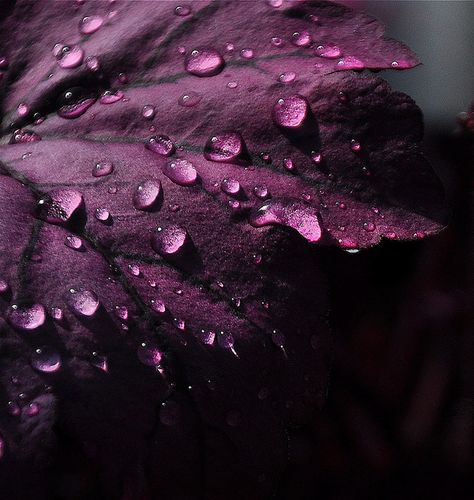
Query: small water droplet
[(32, 409), (13, 408), (204, 62), (234, 204), (328, 51), (224, 147), (59, 205), (99, 361), (160, 144), (56, 313), (230, 186), (73, 242), (148, 112), (316, 157), (179, 323), (301, 38), (275, 3), (123, 78), (246, 53), (189, 99), (207, 337), (287, 77), (158, 306), (182, 10), (266, 157), (102, 168), (22, 109), (306, 196), (237, 301), (369, 226), (90, 24), (226, 341), (110, 97), (3, 62), (257, 258), (261, 191), (102, 214), (24, 135), (288, 164), (27, 317), (46, 359), (3, 286), (347, 243), (169, 413), (391, 235), (83, 302), (291, 213), (290, 112), (67, 56), (133, 269), (170, 240), (146, 195), (149, 353), (174, 207), (341, 205), (277, 41), (181, 172), (232, 85), (121, 312), (355, 146), (350, 62)]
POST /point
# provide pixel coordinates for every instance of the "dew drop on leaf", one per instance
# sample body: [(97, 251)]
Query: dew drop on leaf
[(67, 56), (46, 359), (83, 302), (109, 97), (181, 172), (301, 39), (146, 195), (90, 24), (230, 186), (189, 99), (287, 77), (149, 354), (102, 168), (59, 205), (182, 10), (290, 112), (148, 111), (246, 53), (24, 135), (204, 62), (225, 147), (160, 144), (170, 240), (102, 214), (328, 51), (261, 192), (73, 242), (27, 317)]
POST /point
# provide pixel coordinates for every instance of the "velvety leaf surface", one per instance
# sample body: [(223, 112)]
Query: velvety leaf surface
[(232, 316)]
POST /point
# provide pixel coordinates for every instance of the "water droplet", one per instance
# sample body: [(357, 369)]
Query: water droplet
[(347, 243), (234, 204), (391, 235), (369, 226), (419, 235), (257, 258), (133, 269), (179, 323), (102, 214), (288, 164), (278, 339), (24, 135), (146, 195), (266, 157), (74, 102), (232, 85), (112, 189), (204, 62), (160, 144), (92, 63), (73, 242), (233, 418), (291, 213), (316, 157), (169, 413), (56, 313), (306, 196), (158, 306), (236, 301), (328, 51), (22, 109), (149, 353), (123, 78), (102, 168), (230, 186), (99, 361), (277, 41), (174, 207), (350, 62), (290, 112), (207, 337), (27, 317), (189, 99), (170, 240), (226, 341), (13, 408), (275, 3), (355, 146), (287, 77), (341, 205), (181, 172), (32, 409), (3, 62), (182, 10), (59, 205), (68, 56), (301, 38), (90, 24), (148, 112), (46, 359), (109, 97), (261, 191), (246, 53), (224, 147), (83, 302), (3, 286)]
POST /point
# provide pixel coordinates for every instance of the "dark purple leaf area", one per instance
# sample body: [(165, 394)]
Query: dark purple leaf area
[(180, 362)]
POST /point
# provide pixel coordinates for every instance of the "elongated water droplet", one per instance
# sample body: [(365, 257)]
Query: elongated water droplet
[(204, 62), (158, 306), (3, 62), (146, 195), (102, 168), (226, 341), (27, 317), (328, 51), (290, 112), (287, 77), (316, 157), (291, 213), (230, 186), (170, 240), (134, 269), (24, 135), (74, 102), (59, 205), (275, 3), (83, 302), (148, 111), (224, 147), (68, 56), (13, 408), (288, 164), (181, 172), (73, 242), (350, 62), (160, 144), (46, 359), (90, 24), (301, 38), (189, 99), (109, 97), (182, 10)]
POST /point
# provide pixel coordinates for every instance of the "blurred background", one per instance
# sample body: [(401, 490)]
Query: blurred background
[(398, 422)]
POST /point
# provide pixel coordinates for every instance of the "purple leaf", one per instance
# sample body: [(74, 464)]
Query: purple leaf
[(199, 156)]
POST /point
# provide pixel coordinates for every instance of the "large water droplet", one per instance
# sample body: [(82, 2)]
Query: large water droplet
[(24, 135), (189, 99), (46, 359), (27, 317), (149, 353), (109, 97), (146, 195), (83, 302), (170, 240), (90, 24), (160, 144), (59, 205), (301, 38), (225, 147), (181, 172), (275, 3), (290, 112), (74, 102), (102, 168), (68, 56), (291, 213), (230, 186), (204, 62), (328, 51)]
